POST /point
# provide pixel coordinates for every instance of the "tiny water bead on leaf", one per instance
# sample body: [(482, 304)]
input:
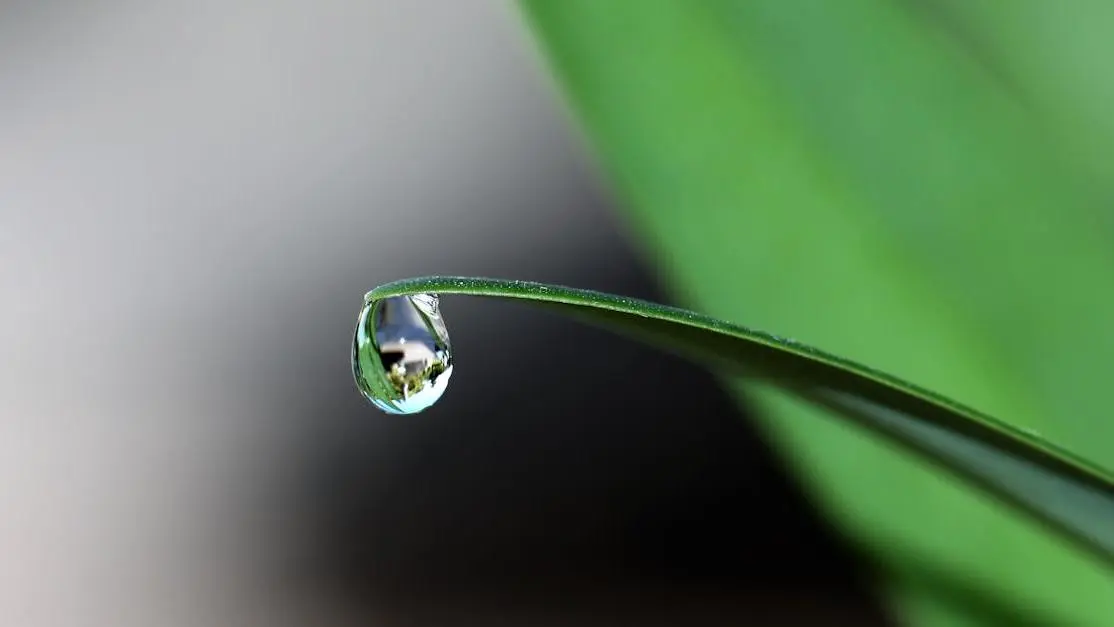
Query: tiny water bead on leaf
[(401, 357)]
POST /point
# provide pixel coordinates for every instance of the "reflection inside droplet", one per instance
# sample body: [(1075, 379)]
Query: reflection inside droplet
[(400, 353)]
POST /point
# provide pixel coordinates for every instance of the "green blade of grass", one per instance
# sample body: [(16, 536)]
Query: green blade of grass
[(1061, 490)]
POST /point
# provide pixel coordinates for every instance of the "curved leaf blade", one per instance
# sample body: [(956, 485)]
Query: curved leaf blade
[(1059, 489)]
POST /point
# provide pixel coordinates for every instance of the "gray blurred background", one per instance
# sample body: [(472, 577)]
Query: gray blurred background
[(194, 197)]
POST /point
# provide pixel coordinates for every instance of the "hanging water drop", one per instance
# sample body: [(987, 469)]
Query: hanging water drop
[(400, 353)]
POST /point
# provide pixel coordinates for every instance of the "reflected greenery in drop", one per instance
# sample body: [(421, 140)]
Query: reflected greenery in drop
[(401, 357)]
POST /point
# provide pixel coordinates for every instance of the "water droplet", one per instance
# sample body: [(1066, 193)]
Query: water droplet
[(400, 353)]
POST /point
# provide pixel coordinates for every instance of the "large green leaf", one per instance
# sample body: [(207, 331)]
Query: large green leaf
[(1053, 57), (849, 173)]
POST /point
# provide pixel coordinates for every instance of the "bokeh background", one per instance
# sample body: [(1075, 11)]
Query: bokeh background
[(194, 197)]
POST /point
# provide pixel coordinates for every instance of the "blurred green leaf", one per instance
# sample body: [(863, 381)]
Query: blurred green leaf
[(865, 176), (1054, 58)]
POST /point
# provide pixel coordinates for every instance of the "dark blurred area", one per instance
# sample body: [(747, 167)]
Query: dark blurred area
[(194, 198)]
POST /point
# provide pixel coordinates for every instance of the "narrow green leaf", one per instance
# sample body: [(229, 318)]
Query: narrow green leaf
[(1059, 489)]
